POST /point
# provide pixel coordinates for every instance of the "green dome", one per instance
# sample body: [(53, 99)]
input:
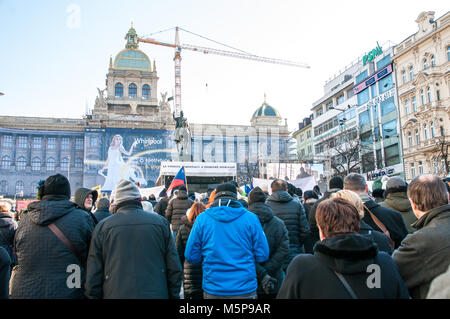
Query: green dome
[(266, 110), (132, 60)]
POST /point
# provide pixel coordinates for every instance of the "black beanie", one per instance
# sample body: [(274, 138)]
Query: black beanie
[(56, 185), (256, 195), (226, 190), (336, 182)]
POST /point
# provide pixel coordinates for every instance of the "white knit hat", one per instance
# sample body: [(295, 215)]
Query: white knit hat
[(126, 190)]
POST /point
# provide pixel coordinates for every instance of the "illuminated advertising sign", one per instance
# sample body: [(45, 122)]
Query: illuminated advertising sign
[(373, 79)]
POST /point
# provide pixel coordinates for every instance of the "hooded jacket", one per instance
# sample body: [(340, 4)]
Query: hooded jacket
[(133, 255), (278, 241), (177, 208), (192, 273), (352, 255), (80, 197), (293, 215), (397, 200), (227, 239), (425, 254), (42, 257), (8, 227)]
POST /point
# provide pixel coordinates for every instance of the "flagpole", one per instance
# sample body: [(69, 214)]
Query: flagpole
[(185, 180)]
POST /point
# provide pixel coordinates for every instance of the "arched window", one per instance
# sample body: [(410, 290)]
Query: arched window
[(4, 187), (34, 187), (118, 90), (36, 164), (21, 163), (433, 134), (417, 137), (51, 163), (433, 60), (79, 163), (406, 107), (425, 63), (65, 164), (19, 187), (410, 139), (146, 92), (132, 91), (411, 73), (425, 130), (429, 94), (6, 162)]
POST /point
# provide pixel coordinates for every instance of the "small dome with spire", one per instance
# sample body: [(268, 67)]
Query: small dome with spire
[(266, 115)]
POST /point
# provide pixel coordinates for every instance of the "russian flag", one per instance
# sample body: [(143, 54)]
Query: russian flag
[(179, 179)]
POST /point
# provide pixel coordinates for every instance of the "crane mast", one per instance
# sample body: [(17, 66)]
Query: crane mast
[(177, 59)]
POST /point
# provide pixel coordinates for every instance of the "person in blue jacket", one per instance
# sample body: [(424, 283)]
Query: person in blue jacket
[(228, 240)]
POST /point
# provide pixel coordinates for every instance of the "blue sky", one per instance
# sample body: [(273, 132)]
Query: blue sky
[(51, 66)]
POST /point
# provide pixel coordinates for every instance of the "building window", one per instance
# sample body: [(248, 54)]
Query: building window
[(383, 62), (37, 142), (309, 149), (433, 134), (425, 130), (93, 142), (19, 187), (417, 137), (132, 91), (414, 104), (363, 97), (79, 144), (425, 63), (51, 143), (36, 164), (390, 129), (387, 106), (329, 105), (51, 163), (429, 94), (433, 61), (65, 143), (422, 97), (448, 53), (413, 171), (404, 80), (21, 163), (385, 84), (6, 162), (118, 90), (22, 142), (392, 155), (411, 73), (410, 139), (442, 131), (65, 164), (340, 99), (7, 141), (78, 163), (436, 165), (350, 93), (4, 187), (438, 95), (362, 76), (420, 168), (406, 107), (364, 118), (34, 188), (146, 92)]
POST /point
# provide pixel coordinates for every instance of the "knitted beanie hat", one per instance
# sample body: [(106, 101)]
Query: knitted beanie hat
[(126, 190), (56, 185)]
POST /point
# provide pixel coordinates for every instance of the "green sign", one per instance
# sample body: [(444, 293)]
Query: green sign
[(372, 54)]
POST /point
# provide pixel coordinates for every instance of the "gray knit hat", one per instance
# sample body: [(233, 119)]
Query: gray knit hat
[(395, 182), (126, 190)]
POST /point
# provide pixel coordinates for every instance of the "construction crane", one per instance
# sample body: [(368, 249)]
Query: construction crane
[(177, 59)]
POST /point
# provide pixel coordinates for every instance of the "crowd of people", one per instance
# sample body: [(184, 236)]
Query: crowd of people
[(281, 242)]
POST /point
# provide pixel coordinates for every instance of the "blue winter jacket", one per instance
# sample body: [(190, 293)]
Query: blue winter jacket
[(228, 240)]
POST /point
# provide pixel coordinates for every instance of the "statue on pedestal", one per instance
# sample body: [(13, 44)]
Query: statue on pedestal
[(182, 137)]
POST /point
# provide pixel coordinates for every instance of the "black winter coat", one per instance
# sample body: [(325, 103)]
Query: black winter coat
[(161, 207), (5, 271), (42, 257), (8, 227), (425, 254), (312, 215), (133, 255), (278, 240), (293, 215), (391, 219), (192, 273), (378, 237), (177, 208), (101, 214), (313, 277)]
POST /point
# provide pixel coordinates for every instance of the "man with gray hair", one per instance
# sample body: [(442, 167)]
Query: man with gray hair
[(132, 253), (396, 199), (378, 217), (425, 254)]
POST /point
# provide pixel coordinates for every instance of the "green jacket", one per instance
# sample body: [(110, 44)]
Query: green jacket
[(425, 254), (399, 201)]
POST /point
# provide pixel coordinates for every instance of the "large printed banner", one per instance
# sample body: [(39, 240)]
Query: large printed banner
[(131, 154)]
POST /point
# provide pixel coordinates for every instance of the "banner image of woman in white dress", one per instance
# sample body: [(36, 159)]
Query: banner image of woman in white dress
[(115, 165)]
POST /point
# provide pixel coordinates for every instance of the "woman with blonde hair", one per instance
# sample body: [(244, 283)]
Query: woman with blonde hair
[(192, 274), (378, 237)]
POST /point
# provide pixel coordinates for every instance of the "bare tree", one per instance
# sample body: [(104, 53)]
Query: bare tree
[(441, 152)]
